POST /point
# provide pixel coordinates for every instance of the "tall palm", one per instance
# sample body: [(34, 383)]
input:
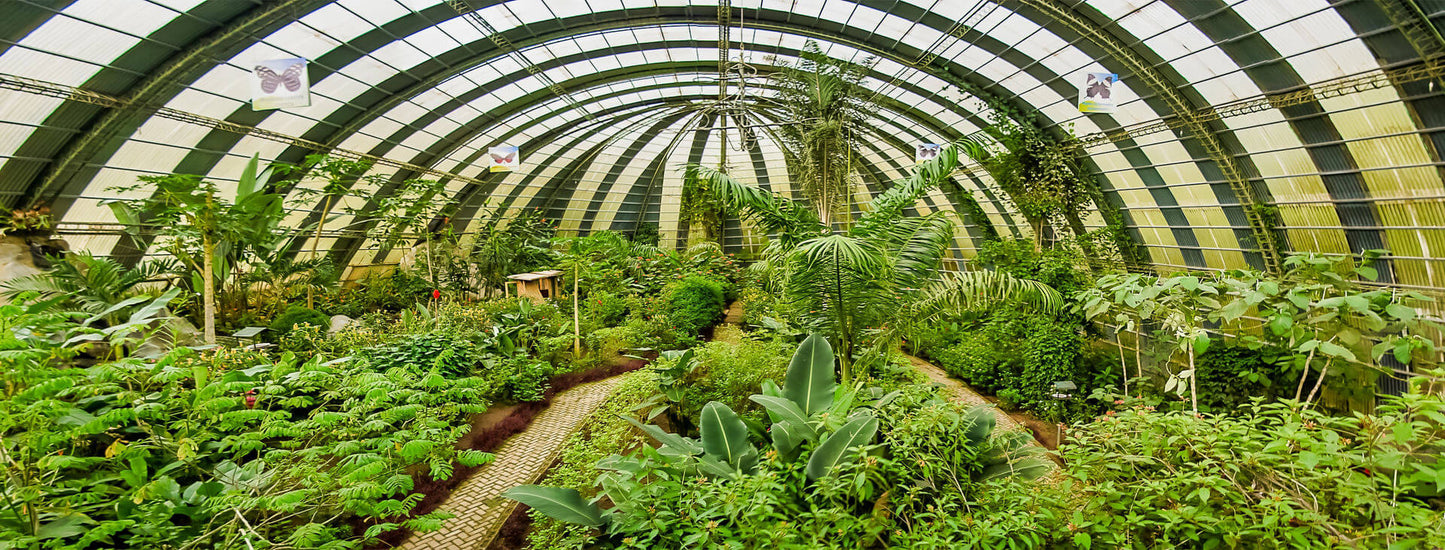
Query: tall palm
[(828, 102), (883, 270)]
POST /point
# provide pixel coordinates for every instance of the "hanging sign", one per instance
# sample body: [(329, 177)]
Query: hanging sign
[(926, 152), (504, 158), (1097, 95), (280, 83)]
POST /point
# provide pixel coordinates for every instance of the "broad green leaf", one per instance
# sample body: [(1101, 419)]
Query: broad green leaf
[(839, 444), (674, 441), (809, 381), (1281, 324), (783, 410), (788, 439), (1201, 343), (558, 503), (723, 434), (1336, 350), (1401, 312)]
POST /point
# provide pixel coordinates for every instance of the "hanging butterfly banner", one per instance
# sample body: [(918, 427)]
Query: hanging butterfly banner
[(926, 152), (1097, 95), (504, 158), (280, 83)]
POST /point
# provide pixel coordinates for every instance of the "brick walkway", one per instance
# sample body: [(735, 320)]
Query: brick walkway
[(521, 460)]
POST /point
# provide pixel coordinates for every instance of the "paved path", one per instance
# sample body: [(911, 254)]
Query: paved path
[(522, 459), (961, 393)]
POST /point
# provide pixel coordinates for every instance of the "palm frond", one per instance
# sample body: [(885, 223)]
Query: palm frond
[(917, 246), (888, 206), (775, 214), (973, 290)]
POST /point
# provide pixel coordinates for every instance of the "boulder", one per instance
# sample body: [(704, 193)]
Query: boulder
[(171, 332), (15, 259), (338, 322)]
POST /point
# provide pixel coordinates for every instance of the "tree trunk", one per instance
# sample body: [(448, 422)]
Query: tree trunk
[(1193, 382), (576, 312), (315, 249), (1319, 383), (1300, 389), (1139, 354), (1123, 365), (208, 292)]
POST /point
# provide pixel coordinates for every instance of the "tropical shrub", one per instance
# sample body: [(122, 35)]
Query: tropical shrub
[(217, 449), (603, 309), (1270, 476), (1230, 376), (296, 315), (821, 468), (694, 304), (524, 379), (446, 354)]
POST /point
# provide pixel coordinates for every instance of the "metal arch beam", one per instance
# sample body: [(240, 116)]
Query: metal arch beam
[(350, 127), (1181, 107), (808, 31), (475, 197), (161, 85), (467, 131), (780, 27)]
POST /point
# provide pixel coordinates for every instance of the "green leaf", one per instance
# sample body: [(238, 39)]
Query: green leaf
[(1401, 312), (1281, 324), (677, 442), (558, 503), (809, 381), (1201, 343), (723, 434), (1336, 350), (783, 410), (836, 447), (1403, 349), (788, 438)]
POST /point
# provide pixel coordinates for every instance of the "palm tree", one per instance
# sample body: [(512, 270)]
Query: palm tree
[(90, 284), (880, 272), (827, 98)]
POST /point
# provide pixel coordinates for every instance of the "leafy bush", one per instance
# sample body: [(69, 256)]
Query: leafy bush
[(757, 304), (602, 310), (610, 343), (451, 356), (1228, 376), (296, 315), (821, 471), (1051, 354), (1270, 477), (525, 379), (218, 449), (694, 303), (977, 360)]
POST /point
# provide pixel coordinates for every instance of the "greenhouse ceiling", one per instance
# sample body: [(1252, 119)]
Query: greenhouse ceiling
[(1244, 130)]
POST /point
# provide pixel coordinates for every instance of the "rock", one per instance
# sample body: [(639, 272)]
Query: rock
[(15, 259), (339, 322), (170, 332)]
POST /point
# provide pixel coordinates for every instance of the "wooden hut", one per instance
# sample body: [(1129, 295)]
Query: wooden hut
[(538, 285)]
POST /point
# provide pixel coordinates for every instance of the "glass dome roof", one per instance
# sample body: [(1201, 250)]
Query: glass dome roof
[(1246, 130)]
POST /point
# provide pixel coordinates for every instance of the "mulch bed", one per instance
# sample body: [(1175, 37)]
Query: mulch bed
[(487, 435)]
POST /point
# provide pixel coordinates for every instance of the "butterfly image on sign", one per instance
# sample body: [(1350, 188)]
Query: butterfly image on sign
[(926, 152), (504, 158), (1097, 95), (280, 83)]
